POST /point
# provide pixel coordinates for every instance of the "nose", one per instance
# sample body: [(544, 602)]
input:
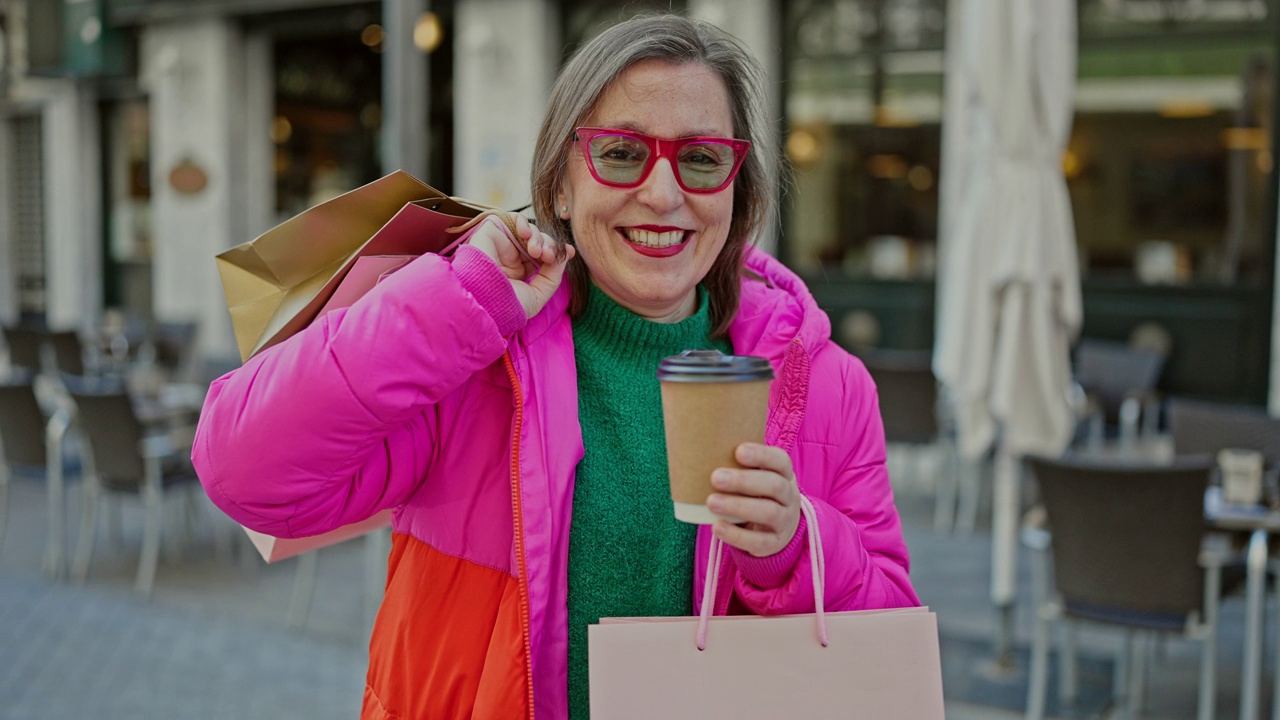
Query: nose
[(660, 190)]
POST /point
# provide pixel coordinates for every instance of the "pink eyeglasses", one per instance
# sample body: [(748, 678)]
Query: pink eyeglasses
[(621, 158)]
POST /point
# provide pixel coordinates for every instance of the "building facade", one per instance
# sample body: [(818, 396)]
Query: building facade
[(141, 137)]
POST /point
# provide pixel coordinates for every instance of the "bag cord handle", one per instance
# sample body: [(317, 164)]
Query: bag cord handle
[(508, 221), (816, 561)]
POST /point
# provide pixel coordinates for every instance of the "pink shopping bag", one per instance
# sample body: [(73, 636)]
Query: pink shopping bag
[(869, 665)]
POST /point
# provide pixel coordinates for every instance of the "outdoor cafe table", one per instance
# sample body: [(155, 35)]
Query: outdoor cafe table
[(1259, 522)]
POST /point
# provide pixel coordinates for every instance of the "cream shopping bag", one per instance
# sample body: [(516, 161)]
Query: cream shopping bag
[(868, 665), (274, 549)]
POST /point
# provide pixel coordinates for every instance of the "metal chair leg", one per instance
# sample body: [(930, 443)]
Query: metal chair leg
[(304, 588), (91, 496), (153, 503), (970, 484), (4, 502), (1138, 675), (1120, 681), (946, 490), (1209, 651), (1275, 701), (1038, 680), (1068, 684)]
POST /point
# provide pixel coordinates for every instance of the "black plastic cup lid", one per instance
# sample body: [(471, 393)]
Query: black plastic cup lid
[(713, 366)]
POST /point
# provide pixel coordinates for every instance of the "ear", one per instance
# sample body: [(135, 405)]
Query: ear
[(563, 201)]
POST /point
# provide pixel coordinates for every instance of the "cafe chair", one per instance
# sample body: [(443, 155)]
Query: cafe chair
[(914, 418), (68, 352), (1119, 384), (122, 457), (1201, 427), (1126, 548), (175, 346), (24, 349), (32, 448)]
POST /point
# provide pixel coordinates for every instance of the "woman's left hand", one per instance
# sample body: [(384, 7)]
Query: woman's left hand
[(763, 494)]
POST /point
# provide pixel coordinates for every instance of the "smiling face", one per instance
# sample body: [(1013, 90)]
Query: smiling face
[(649, 246)]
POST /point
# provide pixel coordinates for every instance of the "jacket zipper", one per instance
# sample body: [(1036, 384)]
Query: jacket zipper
[(517, 514)]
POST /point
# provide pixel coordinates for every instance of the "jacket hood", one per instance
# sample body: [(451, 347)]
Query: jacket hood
[(776, 309)]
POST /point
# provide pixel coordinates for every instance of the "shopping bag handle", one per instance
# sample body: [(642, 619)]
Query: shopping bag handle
[(816, 561), (508, 223)]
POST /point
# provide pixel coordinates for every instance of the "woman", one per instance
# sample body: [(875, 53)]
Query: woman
[(513, 420)]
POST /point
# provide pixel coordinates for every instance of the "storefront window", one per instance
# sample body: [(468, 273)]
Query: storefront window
[(1168, 164), (1170, 157), (328, 112), (126, 143), (864, 106)]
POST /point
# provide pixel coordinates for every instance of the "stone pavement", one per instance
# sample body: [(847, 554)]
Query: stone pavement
[(212, 641)]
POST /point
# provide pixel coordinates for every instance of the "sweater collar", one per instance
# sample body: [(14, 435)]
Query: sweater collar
[(610, 324)]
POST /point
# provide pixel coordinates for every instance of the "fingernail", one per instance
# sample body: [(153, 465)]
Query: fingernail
[(720, 478)]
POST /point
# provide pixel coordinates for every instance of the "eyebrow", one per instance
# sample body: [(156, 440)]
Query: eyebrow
[(637, 128)]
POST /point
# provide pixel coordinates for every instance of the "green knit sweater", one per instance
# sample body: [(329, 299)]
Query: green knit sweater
[(628, 555)]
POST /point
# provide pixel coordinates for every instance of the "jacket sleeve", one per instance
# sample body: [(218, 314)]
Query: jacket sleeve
[(866, 558), (337, 422)]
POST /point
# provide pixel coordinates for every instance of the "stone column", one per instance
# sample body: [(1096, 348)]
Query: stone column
[(73, 205), (504, 66), (195, 73), (405, 90), (756, 24)]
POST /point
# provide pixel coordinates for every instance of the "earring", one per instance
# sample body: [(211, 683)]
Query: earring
[(564, 212)]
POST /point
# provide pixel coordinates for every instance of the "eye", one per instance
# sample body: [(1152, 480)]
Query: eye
[(618, 150), (706, 157)]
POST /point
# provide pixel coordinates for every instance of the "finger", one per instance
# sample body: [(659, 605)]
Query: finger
[(542, 247), (512, 251), (755, 542), (549, 275), (755, 483), (765, 457), (761, 512), (523, 227)]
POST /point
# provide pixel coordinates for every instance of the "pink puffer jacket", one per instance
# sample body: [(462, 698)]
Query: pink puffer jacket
[(433, 396)]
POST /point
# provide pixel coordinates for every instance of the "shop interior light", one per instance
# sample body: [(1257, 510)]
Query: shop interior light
[(281, 130), (372, 35), (887, 167), (802, 147), (427, 32), (1245, 138), (920, 178), (1071, 166), (1189, 108)]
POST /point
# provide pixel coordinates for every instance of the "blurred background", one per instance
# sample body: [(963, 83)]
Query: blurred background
[(139, 138)]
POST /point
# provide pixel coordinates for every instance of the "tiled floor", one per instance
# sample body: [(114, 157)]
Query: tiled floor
[(212, 641)]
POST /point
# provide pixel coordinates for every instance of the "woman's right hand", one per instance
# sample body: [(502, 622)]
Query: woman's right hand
[(534, 283)]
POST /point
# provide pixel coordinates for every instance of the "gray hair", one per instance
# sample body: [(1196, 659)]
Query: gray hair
[(577, 91)]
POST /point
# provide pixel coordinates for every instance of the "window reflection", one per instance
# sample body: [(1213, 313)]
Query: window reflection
[(1168, 164), (863, 109)]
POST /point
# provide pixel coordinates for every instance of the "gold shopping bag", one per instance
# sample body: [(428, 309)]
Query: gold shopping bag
[(278, 283)]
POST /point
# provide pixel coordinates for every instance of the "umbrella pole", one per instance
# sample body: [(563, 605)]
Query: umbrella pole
[(1004, 550)]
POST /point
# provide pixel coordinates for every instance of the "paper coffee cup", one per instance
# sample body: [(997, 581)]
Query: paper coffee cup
[(711, 403), (1241, 475)]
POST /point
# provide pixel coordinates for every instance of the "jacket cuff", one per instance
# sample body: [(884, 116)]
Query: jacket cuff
[(480, 276), (772, 571)]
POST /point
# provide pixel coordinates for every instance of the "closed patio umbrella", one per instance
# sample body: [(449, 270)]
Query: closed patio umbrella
[(1008, 283)]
